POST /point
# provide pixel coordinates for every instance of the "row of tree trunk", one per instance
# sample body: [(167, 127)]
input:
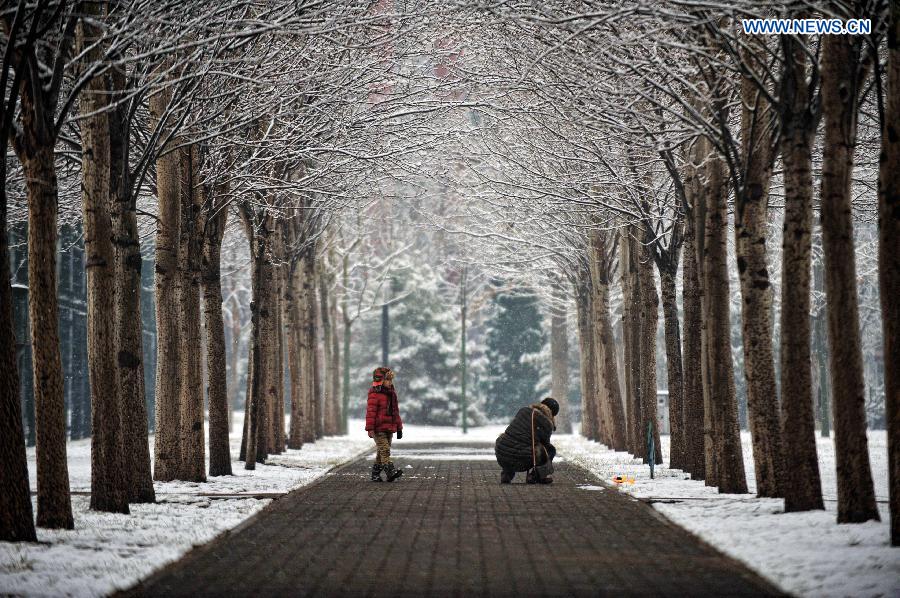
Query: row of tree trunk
[(703, 409), (191, 223), (293, 302)]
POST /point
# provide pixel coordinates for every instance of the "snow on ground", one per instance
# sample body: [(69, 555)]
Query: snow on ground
[(106, 552), (806, 554)]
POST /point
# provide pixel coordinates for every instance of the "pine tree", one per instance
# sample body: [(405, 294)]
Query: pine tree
[(425, 351), (515, 333)]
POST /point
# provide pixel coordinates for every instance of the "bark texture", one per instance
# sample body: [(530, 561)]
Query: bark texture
[(295, 355), (167, 447), (607, 367), (219, 451), (631, 329), (723, 446), (693, 418), (649, 318), (307, 297), (190, 247), (16, 515), (108, 480), (840, 80), (129, 331), (54, 507), (751, 205), (802, 490)]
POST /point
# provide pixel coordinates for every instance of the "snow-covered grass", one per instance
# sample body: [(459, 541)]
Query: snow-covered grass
[(107, 552), (806, 554)]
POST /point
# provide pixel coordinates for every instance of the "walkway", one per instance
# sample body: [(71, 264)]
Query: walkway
[(448, 528)]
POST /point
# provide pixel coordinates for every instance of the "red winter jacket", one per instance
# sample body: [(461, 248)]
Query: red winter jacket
[(382, 410)]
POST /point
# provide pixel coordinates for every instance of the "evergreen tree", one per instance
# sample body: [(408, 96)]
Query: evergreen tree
[(425, 351), (515, 334)]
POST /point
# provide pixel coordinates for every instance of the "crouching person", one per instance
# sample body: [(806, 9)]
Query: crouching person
[(382, 420), (525, 445)]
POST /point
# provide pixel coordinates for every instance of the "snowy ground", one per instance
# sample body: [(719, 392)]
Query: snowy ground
[(108, 552), (806, 554)]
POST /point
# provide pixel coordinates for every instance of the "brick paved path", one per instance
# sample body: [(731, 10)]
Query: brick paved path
[(448, 528)]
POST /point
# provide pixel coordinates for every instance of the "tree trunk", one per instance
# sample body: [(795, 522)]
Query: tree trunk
[(701, 153), (16, 515), (856, 494), (108, 480), (674, 372), (219, 449), (347, 330), (295, 356), (802, 489), (609, 389), (889, 262), (649, 318), (335, 367), (600, 416), (167, 448), (610, 368), (128, 321), (193, 465), (692, 418), (245, 428), (54, 508), (631, 312), (278, 424), (325, 318), (317, 358), (307, 331), (259, 237), (588, 360), (719, 393), (751, 204), (263, 372), (559, 358)]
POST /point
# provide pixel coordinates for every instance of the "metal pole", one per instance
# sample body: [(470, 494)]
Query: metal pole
[(463, 305)]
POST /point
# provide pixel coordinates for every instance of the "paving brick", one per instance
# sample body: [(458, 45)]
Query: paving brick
[(448, 528)]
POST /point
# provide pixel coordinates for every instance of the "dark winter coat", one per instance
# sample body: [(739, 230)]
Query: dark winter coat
[(513, 447), (382, 410)]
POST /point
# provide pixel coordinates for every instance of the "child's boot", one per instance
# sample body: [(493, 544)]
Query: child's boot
[(392, 473), (376, 472)]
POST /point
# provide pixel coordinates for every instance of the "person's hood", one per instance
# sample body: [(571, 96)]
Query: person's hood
[(546, 412)]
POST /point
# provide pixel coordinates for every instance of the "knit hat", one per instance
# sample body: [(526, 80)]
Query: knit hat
[(552, 404), (381, 374)]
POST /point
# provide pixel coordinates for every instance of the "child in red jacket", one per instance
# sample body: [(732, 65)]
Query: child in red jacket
[(382, 420)]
